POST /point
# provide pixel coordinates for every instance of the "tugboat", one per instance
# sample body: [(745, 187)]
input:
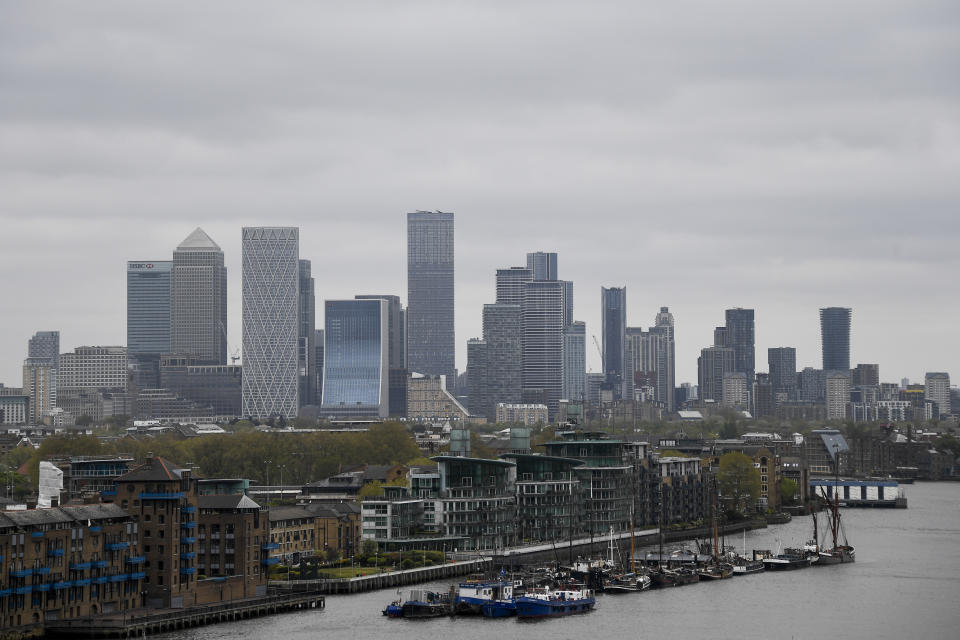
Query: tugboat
[(788, 560), (420, 604), (553, 603), (473, 595)]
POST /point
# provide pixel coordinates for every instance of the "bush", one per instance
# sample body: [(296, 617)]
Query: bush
[(407, 564)]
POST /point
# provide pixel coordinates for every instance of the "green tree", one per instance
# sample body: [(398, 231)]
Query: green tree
[(948, 443), (739, 481), (83, 421), (788, 490)]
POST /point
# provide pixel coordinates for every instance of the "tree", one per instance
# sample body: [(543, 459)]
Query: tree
[(788, 490), (739, 481), (949, 444), (83, 421)]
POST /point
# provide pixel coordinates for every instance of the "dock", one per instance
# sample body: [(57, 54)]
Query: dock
[(388, 580), (136, 623)]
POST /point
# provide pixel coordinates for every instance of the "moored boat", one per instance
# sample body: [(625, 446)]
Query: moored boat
[(472, 595), (552, 603), (420, 604), (663, 577), (788, 560), (627, 583)]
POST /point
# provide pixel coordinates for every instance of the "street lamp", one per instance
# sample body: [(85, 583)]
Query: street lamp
[(267, 464)]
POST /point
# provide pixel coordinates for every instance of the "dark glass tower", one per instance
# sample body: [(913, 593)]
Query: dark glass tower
[(148, 318), (835, 338), (430, 329), (355, 359), (613, 304), (306, 347), (783, 371), (740, 337), (542, 265)]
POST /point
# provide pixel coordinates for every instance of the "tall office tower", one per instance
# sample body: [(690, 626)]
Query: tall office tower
[(93, 368), (812, 385), (936, 388), (271, 321), (45, 344), (721, 337), (713, 364), (735, 392), (636, 348), (838, 394), (40, 384), (542, 321), (478, 400), (430, 335), (667, 368), (504, 356), (318, 358), (740, 331), (356, 361), (542, 266), (198, 300), (613, 309), (306, 347), (575, 362), (396, 352), (510, 284), (835, 338), (865, 375), (764, 398), (148, 319), (783, 373)]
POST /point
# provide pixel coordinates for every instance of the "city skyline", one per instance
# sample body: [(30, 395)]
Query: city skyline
[(734, 168)]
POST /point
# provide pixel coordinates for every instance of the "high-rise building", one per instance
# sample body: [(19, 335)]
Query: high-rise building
[(218, 387), (783, 372), (721, 337), (734, 390), (430, 294), (396, 351), (835, 338), (356, 358), (936, 388), (510, 284), (575, 362), (865, 375), (740, 332), (198, 300), (504, 356), (713, 364), (812, 385), (542, 265), (148, 318), (838, 394), (306, 348), (40, 384), (666, 359), (271, 327), (318, 350), (543, 320), (45, 344), (478, 399), (764, 402), (613, 308)]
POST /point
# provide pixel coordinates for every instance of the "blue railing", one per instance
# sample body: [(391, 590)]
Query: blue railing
[(81, 566), (116, 546), (55, 553), (270, 546), (136, 559), (188, 525), (41, 571), (22, 590), (190, 540), (270, 561), (96, 528), (101, 564), (63, 584), (108, 493), (139, 575), (5, 592), (36, 534), (41, 587), (161, 495), (81, 582), (188, 571), (188, 509), (189, 555), (21, 573), (120, 577), (101, 580)]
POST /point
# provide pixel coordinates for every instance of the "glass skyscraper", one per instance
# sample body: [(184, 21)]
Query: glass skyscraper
[(613, 307), (271, 312), (835, 338), (782, 362), (306, 347), (575, 362), (542, 265), (148, 318), (46, 345), (740, 337), (430, 297), (198, 300), (355, 358), (543, 319)]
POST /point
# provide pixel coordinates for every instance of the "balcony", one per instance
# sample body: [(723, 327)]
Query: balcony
[(161, 495), (270, 546), (188, 509), (41, 587), (139, 575), (270, 561), (5, 592), (101, 564), (21, 573), (136, 559), (101, 580), (41, 571), (120, 577), (63, 584), (109, 493), (36, 534), (55, 553), (189, 555), (190, 540), (81, 566), (22, 590), (188, 525), (187, 571), (116, 546), (82, 582), (96, 529)]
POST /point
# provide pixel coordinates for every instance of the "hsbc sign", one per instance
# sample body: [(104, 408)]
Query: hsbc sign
[(139, 265)]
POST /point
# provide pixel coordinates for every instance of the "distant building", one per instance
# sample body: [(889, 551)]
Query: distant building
[(40, 383), (838, 395), (396, 350), (812, 385), (613, 308), (14, 408), (864, 375), (783, 372), (713, 364), (219, 387), (734, 390), (504, 356), (356, 359), (46, 345), (510, 284), (542, 265), (429, 401), (666, 358), (835, 338), (741, 334), (431, 346), (478, 399), (528, 414), (543, 321), (148, 318), (306, 348), (937, 389), (575, 362), (271, 312), (198, 299)]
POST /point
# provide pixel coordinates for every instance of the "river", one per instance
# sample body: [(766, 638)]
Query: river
[(904, 584)]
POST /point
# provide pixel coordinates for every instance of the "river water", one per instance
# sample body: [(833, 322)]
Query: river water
[(904, 584)]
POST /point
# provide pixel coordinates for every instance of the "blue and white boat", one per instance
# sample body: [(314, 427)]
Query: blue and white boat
[(473, 595), (499, 608), (552, 603)]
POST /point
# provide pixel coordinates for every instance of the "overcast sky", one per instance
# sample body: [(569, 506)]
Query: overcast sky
[(780, 156)]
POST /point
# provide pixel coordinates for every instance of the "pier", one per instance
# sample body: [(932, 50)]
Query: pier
[(385, 580), (136, 623)]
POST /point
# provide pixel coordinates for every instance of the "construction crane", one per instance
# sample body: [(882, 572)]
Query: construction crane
[(603, 365), (235, 356)]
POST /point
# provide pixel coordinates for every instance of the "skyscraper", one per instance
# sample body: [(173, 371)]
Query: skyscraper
[(504, 355), (430, 294), (542, 266), (148, 318), (835, 338), (666, 359), (396, 351), (510, 284), (356, 358), (45, 344), (198, 300), (837, 394), (613, 308), (937, 388), (713, 364), (478, 399), (865, 374), (306, 347), (740, 333), (783, 372), (575, 362), (543, 320), (271, 313), (40, 384)]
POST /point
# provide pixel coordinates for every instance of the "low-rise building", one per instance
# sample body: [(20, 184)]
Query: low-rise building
[(527, 414), (293, 533)]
